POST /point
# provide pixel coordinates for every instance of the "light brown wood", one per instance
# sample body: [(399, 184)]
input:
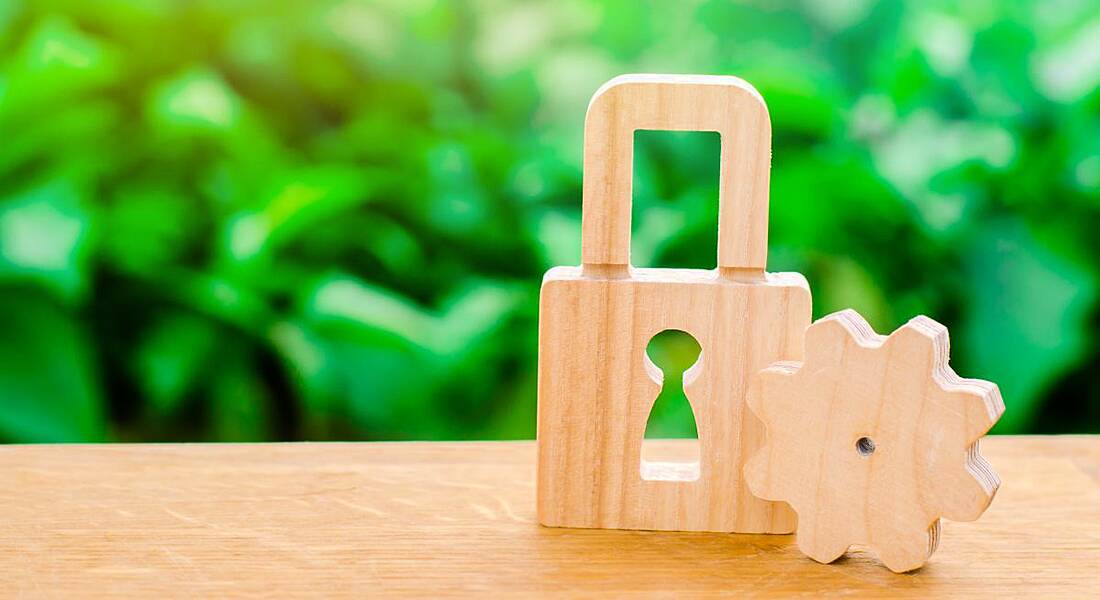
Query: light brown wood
[(727, 105), (872, 439), (432, 520), (597, 386)]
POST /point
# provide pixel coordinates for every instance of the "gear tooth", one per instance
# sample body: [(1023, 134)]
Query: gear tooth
[(927, 323), (972, 488), (858, 327), (826, 338), (822, 548), (924, 336), (847, 314), (755, 471), (982, 473), (910, 552), (764, 385), (978, 401), (783, 368), (992, 400)]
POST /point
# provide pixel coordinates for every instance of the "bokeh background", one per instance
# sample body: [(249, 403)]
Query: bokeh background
[(253, 220)]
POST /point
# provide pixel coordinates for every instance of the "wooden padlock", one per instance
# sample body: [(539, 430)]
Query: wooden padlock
[(596, 385)]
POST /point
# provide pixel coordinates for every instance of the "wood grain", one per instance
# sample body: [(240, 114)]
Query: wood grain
[(723, 104), (596, 384), (458, 519), (873, 438), (597, 388)]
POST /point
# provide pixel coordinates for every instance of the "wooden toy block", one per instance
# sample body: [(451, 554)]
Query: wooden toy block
[(872, 439), (597, 386)]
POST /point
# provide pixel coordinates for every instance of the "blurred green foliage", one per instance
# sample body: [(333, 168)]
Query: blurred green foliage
[(247, 220)]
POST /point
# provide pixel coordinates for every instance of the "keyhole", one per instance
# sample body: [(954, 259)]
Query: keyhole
[(672, 354)]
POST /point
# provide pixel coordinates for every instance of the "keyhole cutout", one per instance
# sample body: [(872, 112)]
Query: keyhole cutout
[(673, 356)]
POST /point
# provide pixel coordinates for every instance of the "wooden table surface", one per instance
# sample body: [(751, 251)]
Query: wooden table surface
[(357, 520)]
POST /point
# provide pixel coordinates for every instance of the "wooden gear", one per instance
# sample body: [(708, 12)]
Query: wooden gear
[(872, 439), (596, 385)]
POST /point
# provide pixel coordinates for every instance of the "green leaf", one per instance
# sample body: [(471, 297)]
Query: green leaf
[(368, 307), (1027, 316), (299, 200), (172, 358), (48, 390), (471, 314), (1070, 71), (44, 238), (146, 228), (197, 100), (240, 406), (57, 64)]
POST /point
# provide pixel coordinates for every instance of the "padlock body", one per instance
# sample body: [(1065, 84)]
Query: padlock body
[(595, 393)]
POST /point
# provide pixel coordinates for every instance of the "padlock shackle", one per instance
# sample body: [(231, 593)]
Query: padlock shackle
[(727, 105)]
